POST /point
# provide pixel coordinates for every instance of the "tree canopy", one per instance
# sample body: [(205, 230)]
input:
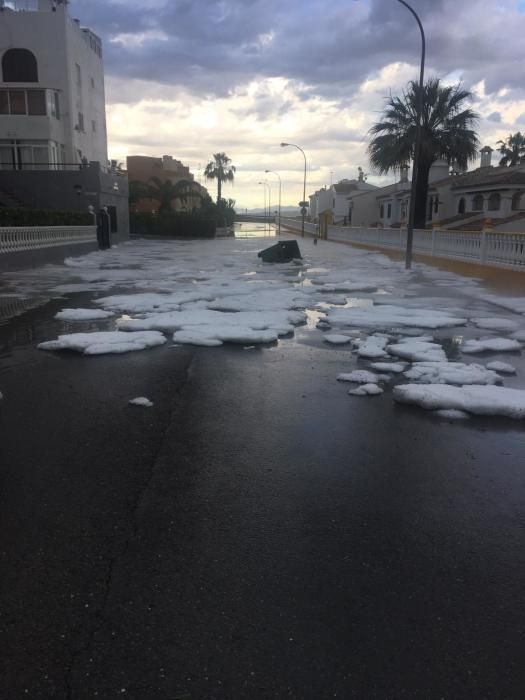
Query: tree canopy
[(162, 191), (220, 169), (447, 132), (512, 149)]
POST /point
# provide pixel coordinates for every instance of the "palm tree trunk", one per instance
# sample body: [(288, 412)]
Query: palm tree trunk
[(420, 214), (219, 187)]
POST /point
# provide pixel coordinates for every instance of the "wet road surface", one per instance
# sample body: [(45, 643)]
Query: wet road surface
[(256, 534)]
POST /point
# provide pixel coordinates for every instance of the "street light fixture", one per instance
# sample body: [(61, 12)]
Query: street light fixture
[(280, 183), (303, 204), (417, 142), (266, 184)]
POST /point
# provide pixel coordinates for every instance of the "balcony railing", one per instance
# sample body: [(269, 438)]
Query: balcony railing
[(15, 239)]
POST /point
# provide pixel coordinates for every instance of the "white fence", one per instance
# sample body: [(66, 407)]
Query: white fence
[(14, 239), (483, 247)]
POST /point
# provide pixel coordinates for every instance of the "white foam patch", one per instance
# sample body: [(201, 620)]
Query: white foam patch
[(82, 314), (228, 327), (502, 367), (394, 367), (495, 324), (362, 376), (516, 304), (217, 335), (452, 414), (105, 342), (336, 339), (372, 347), (490, 345), (148, 302), (343, 287), (455, 373), (479, 400), (266, 300), (386, 317), (141, 401), (196, 337), (418, 351), (366, 390)]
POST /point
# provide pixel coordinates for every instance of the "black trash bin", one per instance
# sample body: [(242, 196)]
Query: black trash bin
[(284, 251)]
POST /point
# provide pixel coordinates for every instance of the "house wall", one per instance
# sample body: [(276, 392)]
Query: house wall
[(59, 43), (144, 168), (71, 190), (364, 208)]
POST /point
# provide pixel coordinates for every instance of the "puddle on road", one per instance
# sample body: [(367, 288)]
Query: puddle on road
[(12, 306)]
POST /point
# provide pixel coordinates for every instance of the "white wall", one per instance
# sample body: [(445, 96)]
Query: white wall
[(58, 43)]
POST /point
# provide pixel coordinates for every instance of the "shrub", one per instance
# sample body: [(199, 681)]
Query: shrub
[(172, 225), (43, 217)]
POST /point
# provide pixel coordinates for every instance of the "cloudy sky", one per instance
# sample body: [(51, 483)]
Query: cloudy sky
[(193, 77)]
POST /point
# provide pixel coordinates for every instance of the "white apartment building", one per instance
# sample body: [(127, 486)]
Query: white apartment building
[(52, 103)]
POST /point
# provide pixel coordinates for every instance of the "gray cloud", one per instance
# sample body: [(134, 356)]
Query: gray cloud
[(213, 46), (494, 117)]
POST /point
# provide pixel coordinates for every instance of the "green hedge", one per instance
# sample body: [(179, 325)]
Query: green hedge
[(172, 225), (43, 217)]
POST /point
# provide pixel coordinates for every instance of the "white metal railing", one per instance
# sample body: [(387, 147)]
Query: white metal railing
[(17, 238), (486, 247)]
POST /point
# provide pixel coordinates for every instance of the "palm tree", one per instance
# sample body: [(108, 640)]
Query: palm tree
[(137, 191), (512, 149), (165, 192), (446, 132), (220, 169)]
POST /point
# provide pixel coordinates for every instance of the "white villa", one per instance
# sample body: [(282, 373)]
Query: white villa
[(456, 201), (332, 205)]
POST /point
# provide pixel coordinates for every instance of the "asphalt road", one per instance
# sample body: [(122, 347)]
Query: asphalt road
[(256, 534)]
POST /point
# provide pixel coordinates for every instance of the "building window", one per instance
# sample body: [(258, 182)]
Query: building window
[(80, 124), (56, 105), (36, 102), (516, 201), (436, 205), (25, 155), (382, 212), (478, 202), (494, 201), (93, 126), (461, 206), (430, 207), (78, 76), (17, 102), (19, 66), (23, 102), (389, 211), (93, 83)]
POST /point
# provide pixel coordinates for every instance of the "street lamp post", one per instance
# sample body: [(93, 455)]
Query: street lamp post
[(280, 183), (303, 206), (266, 184), (417, 142)]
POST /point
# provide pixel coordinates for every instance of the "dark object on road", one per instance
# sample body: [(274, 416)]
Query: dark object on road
[(281, 252), (103, 229)]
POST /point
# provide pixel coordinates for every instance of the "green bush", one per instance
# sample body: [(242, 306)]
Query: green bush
[(172, 225), (43, 217)]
